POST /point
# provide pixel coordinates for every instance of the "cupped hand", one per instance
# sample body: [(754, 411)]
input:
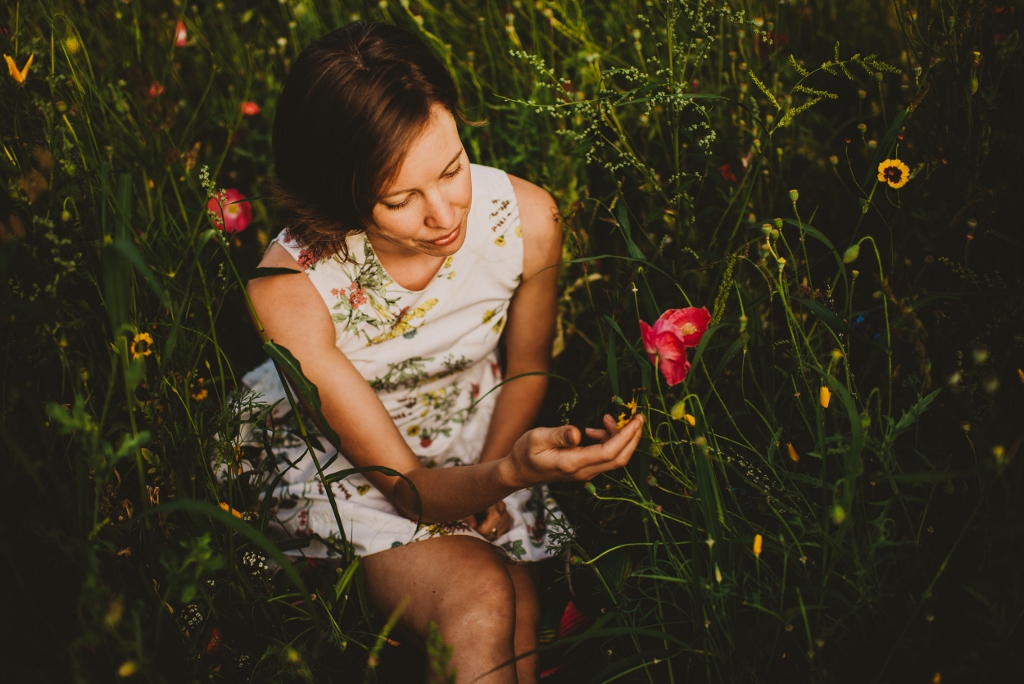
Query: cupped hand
[(554, 454)]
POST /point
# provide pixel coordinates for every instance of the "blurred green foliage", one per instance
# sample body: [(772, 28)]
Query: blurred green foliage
[(705, 154)]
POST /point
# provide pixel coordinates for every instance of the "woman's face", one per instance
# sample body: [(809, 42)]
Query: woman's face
[(424, 210)]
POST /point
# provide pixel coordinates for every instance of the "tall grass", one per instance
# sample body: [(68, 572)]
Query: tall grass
[(709, 155)]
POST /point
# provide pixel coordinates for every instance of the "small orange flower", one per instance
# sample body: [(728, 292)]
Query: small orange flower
[(228, 509), (142, 345), (1020, 374), (758, 540), (690, 420), (824, 396), (893, 172), (19, 75), (793, 456)]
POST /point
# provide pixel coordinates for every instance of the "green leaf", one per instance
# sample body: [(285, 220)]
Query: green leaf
[(289, 366), (622, 214), (910, 417), (825, 315), (812, 231), (266, 272)]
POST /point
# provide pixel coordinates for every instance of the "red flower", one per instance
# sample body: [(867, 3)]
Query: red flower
[(727, 174), (249, 108), (228, 209), (426, 442), (156, 89), (180, 34), (666, 342), (214, 644)]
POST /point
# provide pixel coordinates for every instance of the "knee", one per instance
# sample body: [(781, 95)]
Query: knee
[(483, 603)]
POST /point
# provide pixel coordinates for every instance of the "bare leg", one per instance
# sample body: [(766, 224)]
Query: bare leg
[(526, 579), (467, 587)]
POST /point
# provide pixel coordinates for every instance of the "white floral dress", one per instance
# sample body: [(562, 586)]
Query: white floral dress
[(431, 357)]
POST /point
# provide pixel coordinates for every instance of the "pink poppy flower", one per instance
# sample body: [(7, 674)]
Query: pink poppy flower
[(666, 342), (230, 208), (689, 323), (249, 108), (180, 34)]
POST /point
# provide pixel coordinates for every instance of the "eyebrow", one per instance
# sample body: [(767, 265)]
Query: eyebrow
[(447, 166)]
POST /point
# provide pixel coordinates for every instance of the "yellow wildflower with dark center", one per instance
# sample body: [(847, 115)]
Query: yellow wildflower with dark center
[(893, 172), (142, 345)]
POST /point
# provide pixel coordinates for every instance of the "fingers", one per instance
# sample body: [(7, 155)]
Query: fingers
[(613, 452), (496, 522)]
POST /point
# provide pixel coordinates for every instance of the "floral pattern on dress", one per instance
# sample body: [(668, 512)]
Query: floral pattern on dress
[(431, 358)]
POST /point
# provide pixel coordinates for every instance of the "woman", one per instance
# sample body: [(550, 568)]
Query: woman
[(415, 263)]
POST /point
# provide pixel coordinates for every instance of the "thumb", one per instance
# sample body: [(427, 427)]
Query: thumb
[(568, 436)]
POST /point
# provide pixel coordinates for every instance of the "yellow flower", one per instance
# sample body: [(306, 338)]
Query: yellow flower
[(894, 172), (690, 420), (500, 240), (19, 75), (824, 396), (1020, 374), (142, 345), (228, 509), (631, 405), (757, 544), (413, 430), (201, 394), (793, 456)]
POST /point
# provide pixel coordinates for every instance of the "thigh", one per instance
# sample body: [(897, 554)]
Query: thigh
[(440, 578)]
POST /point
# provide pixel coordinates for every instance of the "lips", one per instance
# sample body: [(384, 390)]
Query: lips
[(447, 239)]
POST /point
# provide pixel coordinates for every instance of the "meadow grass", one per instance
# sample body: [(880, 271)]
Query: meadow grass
[(830, 495)]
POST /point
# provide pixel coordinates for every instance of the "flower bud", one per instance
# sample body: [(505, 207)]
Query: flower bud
[(851, 253), (794, 195)]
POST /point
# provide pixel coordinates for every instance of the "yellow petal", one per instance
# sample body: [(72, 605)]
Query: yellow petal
[(690, 420), (757, 544), (228, 509), (19, 75), (1020, 374), (793, 456), (824, 396)]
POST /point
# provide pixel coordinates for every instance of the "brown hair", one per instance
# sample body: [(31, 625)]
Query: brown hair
[(352, 104)]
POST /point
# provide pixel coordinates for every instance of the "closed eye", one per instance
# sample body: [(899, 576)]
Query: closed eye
[(400, 205), (455, 172)]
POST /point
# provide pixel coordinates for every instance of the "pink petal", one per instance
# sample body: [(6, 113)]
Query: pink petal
[(647, 334), (675, 371), (688, 324)]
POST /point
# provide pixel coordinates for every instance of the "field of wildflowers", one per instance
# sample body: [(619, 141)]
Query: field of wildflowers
[(793, 241)]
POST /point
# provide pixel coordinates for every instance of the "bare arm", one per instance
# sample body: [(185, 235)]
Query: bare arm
[(531, 321)]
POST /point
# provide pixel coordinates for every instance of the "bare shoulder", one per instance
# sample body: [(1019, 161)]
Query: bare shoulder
[(288, 305), (541, 224)]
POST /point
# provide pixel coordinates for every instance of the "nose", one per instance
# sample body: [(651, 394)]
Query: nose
[(440, 211)]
